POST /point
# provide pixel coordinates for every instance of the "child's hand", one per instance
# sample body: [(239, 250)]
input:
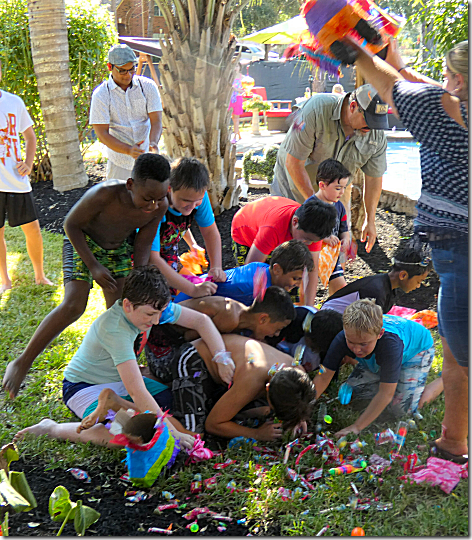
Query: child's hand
[(346, 430), (331, 240), (23, 169), (207, 288), (226, 372), (300, 429), (184, 440), (218, 274), (345, 243), (269, 431), (104, 278)]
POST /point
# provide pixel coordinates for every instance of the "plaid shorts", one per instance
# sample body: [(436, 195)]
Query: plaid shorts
[(365, 384), (117, 261), (194, 392)]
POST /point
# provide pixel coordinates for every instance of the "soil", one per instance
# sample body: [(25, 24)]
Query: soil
[(118, 516)]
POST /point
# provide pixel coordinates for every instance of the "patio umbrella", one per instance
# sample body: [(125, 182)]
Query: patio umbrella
[(283, 33)]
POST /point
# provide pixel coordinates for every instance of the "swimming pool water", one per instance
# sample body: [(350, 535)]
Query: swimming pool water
[(403, 169)]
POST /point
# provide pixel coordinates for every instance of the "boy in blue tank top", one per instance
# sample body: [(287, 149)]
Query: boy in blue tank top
[(394, 356)]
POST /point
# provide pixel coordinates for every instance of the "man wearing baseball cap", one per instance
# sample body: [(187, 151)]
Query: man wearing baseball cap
[(346, 127), (126, 113)]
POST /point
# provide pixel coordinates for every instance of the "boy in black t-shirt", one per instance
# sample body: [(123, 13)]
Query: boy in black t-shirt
[(410, 269)]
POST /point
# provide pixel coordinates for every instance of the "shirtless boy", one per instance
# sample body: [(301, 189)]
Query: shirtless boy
[(261, 372), (96, 248)]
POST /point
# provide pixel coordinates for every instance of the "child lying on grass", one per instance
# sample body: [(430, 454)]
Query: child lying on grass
[(263, 318), (289, 261), (261, 372), (394, 357), (106, 360)]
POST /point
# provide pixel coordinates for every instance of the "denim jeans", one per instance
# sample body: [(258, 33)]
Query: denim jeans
[(452, 267)]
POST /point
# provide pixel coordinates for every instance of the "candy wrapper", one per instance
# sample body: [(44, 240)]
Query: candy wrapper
[(377, 464), (211, 483), (160, 531), (384, 437), (241, 442), (162, 507), (227, 463), (196, 487), (136, 496), (196, 512), (199, 452), (79, 474), (439, 472)]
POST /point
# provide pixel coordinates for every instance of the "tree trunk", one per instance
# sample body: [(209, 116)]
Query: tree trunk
[(150, 18), (50, 50), (197, 70), (358, 213)]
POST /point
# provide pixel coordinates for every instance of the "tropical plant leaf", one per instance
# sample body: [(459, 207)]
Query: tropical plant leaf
[(8, 453), (84, 517), (20, 484), (9, 496), (60, 505)]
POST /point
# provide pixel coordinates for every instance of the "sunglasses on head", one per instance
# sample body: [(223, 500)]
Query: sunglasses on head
[(423, 263)]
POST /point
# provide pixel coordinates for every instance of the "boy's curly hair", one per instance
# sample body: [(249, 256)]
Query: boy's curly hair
[(146, 285), (292, 395)]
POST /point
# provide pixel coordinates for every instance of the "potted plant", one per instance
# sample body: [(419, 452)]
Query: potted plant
[(255, 105)]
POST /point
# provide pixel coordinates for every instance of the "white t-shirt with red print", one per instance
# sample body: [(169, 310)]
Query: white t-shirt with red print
[(14, 119)]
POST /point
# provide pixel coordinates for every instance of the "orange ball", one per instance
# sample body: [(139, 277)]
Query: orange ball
[(358, 531)]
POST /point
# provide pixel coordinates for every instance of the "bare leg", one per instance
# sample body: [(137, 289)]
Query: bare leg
[(107, 400), (98, 434), (336, 284), (4, 277), (112, 297), (235, 118), (34, 246), (70, 309), (456, 393), (431, 392)]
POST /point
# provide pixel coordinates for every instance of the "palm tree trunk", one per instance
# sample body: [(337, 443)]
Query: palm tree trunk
[(197, 71), (50, 50)]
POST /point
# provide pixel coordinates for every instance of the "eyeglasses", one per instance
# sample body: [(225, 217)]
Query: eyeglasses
[(125, 71)]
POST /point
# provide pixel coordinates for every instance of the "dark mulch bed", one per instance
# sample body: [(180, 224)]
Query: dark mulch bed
[(118, 519)]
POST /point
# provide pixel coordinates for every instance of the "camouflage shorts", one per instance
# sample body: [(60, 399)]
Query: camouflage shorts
[(117, 261)]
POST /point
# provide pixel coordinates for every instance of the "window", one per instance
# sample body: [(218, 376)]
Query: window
[(157, 11)]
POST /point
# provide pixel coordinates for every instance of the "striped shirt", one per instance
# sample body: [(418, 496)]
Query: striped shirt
[(443, 204), (127, 113)]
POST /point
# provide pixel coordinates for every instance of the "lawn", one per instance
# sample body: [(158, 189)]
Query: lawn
[(412, 510)]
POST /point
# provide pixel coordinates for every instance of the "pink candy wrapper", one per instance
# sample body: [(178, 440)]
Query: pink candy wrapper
[(199, 452), (227, 463), (439, 472), (377, 464), (195, 512), (79, 474)]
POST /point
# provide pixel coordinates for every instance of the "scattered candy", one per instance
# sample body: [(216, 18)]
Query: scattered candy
[(221, 529), (162, 507), (167, 495), (137, 497), (327, 418), (195, 512), (322, 531), (358, 531), (241, 521), (347, 469), (158, 530), (227, 463), (196, 487), (194, 527), (240, 442), (384, 437), (345, 394), (221, 518), (79, 474)]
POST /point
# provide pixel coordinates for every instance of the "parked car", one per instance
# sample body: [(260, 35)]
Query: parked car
[(251, 52)]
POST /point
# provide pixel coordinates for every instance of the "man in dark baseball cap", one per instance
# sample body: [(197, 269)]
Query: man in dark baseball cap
[(375, 110)]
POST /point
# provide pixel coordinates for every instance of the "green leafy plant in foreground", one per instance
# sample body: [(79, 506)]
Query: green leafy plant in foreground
[(61, 508), (15, 493), (260, 165)]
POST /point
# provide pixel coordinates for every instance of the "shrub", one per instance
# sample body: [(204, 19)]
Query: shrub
[(91, 33), (256, 104), (260, 165)]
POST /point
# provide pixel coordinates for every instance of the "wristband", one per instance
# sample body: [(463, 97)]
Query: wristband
[(404, 67), (223, 357)]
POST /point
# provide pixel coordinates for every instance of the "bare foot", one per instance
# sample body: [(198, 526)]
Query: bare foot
[(14, 376), (5, 287), (43, 281), (106, 400), (457, 448), (43, 428), (431, 392)]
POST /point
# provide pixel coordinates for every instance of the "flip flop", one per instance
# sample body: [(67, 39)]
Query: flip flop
[(437, 451)]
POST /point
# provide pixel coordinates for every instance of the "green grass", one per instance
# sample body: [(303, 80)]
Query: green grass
[(418, 510)]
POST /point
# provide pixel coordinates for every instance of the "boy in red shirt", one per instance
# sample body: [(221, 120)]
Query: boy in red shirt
[(259, 227)]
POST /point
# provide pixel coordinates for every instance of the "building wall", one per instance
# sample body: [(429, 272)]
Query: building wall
[(129, 19)]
